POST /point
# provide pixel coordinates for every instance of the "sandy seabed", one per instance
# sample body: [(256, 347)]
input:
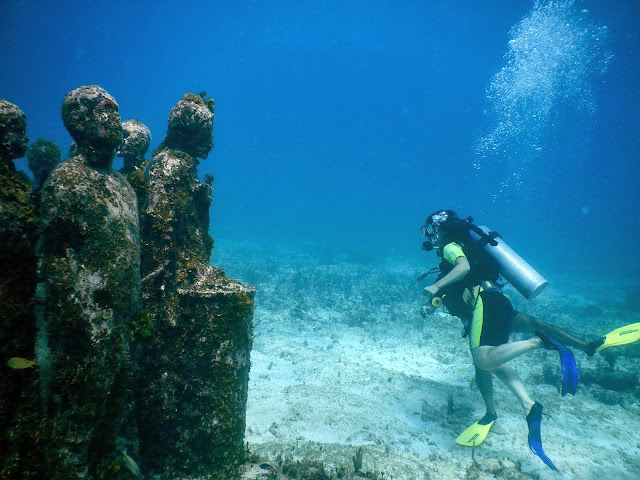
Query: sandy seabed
[(342, 359)]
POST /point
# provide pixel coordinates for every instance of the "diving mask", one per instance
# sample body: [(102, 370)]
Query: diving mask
[(433, 223)]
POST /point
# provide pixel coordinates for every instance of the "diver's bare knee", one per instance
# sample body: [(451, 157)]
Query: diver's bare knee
[(480, 360)]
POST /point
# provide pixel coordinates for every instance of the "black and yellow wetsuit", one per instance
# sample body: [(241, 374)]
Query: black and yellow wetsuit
[(488, 311), (492, 318), (453, 295)]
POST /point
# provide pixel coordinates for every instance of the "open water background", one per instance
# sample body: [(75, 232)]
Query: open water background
[(344, 124)]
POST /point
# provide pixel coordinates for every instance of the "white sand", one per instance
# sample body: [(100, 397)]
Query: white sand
[(342, 359)]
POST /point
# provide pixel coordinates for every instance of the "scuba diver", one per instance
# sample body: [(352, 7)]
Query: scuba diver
[(474, 259)]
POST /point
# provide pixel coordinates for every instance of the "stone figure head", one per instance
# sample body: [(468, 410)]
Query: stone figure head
[(13, 132), (42, 157), (191, 126), (135, 143), (91, 116)]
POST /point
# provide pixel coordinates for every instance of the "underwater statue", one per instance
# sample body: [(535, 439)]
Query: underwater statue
[(192, 384), (42, 157), (135, 144), (18, 226), (13, 133), (19, 229), (91, 273), (175, 224)]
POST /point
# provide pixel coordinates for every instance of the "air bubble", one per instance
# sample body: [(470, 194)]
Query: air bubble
[(554, 59)]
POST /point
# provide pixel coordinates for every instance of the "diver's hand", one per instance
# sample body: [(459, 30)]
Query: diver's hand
[(431, 291), (426, 309)]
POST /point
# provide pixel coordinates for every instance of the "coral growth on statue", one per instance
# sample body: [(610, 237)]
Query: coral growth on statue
[(141, 347)]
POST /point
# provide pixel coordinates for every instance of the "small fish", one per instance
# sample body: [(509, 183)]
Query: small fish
[(130, 463), (19, 363)]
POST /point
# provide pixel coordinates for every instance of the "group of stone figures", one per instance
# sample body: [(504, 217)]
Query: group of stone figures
[(141, 347)]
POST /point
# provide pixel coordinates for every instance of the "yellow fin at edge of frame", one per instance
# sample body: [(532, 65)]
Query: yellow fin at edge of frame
[(621, 336)]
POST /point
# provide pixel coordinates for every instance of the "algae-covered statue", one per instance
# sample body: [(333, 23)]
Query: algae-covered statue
[(193, 382), (135, 144), (42, 157), (19, 229), (18, 221), (91, 265), (177, 212), (152, 369), (13, 132)]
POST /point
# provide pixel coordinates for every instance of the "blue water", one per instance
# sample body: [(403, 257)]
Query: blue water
[(347, 123)]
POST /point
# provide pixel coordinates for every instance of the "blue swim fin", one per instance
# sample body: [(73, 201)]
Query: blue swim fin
[(534, 418), (570, 373)]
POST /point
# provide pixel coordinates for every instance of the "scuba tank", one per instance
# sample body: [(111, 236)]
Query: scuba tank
[(513, 267)]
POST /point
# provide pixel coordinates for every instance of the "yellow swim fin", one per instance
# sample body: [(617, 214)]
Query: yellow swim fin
[(621, 336), (475, 434)]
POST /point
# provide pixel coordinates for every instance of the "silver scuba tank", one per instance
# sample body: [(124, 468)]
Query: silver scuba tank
[(513, 267)]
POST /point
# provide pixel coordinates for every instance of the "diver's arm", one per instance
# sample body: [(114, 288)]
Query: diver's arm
[(458, 272)]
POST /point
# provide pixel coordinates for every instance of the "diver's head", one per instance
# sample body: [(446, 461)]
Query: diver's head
[(435, 229)]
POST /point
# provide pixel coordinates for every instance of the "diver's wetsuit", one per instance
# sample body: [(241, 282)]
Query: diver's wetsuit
[(453, 295), (493, 315), (489, 320)]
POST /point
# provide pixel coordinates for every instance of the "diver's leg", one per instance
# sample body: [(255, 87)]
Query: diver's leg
[(488, 357), (527, 323), (484, 380), (510, 378)]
